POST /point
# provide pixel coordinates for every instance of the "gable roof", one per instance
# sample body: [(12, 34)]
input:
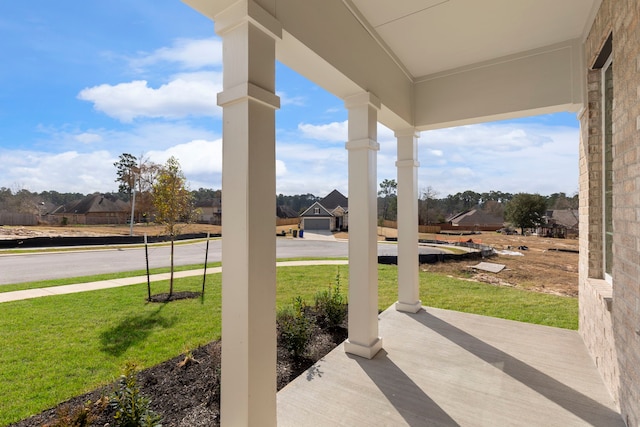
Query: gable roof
[(334, 199), (476, 217), (94, 203), (311, 209), (564, 217), (284, 211)]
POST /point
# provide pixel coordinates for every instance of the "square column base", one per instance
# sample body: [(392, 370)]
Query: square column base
[(368, 352), (408, 308)]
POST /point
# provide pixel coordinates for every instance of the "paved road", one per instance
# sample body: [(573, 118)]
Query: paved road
[(43, 266)]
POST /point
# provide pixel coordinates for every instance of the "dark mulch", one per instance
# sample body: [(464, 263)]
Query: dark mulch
[(186, 391)]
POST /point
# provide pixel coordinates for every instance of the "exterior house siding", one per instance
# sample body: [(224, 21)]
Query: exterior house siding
[(610, 313)]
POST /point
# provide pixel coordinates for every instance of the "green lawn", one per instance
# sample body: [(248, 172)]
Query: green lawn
[(61, 346)]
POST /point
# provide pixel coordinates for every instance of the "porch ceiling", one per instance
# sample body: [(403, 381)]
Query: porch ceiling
[(432, 36), (436, 63)]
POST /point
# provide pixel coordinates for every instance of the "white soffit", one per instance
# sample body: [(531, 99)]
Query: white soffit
[(433, 36)]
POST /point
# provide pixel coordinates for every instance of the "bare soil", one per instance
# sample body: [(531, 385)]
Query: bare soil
[(12, 232), (547, 265)]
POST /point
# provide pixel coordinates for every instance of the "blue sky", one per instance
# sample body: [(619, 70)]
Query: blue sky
[(85, 81)]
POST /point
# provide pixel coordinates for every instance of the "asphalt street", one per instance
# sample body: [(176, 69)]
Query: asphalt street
[(56, 265)]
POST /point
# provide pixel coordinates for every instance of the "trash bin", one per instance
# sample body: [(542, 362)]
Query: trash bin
[(295, 233), (301, 233)]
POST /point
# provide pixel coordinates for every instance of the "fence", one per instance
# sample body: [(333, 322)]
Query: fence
[(11, 218), (287, 221), (435, 229)]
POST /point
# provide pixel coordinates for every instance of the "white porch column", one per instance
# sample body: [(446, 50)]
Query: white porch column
[(363, 247), (248, 191), (407, 164)]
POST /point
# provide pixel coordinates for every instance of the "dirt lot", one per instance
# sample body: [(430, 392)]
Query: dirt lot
[(548, 265), (7, 232), (541, 268)]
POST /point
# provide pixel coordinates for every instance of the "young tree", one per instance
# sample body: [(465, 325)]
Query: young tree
[(388, 193), (525, 210), (173, 203)]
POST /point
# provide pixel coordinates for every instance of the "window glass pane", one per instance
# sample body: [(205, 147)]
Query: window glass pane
[(608, 169)]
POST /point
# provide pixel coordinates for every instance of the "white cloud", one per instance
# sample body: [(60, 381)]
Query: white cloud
[(331, 132), (186, 95), (281, 168), (136, 139), (195, 156), (490, 136), (510, 157), (297, 101), (68, 171), (88, 138), (189, 54)]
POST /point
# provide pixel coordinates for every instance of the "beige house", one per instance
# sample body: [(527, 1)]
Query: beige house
[(413, 66), (94, 209)]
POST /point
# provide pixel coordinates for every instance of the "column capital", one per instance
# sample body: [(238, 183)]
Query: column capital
[(362, 99), (247, 11), (248, 91), (363, 144), (413, 132)]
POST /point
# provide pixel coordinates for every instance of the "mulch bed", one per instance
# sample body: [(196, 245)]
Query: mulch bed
[(186, 390)]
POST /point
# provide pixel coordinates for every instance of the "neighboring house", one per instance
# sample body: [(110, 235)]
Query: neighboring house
[(93, 210), (210, 212), (329, 214), (560, 223), (285, 212), (475, 219)]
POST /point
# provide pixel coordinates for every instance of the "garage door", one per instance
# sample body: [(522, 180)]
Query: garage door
[(316, 223)]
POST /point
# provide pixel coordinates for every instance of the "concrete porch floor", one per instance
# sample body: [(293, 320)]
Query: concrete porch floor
[(445, 368)]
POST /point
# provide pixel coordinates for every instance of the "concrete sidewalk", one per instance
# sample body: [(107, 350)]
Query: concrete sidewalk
[(115, 283)]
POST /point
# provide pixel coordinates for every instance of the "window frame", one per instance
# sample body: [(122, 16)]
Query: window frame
[(607, 168)]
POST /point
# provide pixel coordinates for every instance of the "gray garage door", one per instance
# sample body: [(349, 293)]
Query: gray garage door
[(316, 223)]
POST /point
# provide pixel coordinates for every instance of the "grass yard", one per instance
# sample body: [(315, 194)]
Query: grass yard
[(62, 346)]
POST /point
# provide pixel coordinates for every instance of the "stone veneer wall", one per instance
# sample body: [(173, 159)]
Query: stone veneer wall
[(610, 315)]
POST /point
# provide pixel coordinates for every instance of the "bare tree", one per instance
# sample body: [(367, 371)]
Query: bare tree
[(427, 205)]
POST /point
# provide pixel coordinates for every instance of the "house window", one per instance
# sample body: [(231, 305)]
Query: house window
[(607, 166), (316, 211)]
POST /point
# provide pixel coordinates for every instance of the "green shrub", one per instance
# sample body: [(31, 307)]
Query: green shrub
[(330, 304), (132, 409), (295, 326)]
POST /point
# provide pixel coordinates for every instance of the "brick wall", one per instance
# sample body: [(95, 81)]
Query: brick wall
[(613, 337)]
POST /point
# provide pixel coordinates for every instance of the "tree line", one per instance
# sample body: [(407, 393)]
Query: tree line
[(434, 209), (136, 177)]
